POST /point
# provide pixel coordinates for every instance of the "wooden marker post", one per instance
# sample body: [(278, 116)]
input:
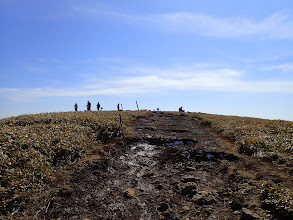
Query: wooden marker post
[(120, 120)]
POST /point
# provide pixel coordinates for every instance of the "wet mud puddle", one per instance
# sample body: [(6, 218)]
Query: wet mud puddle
[(140, 161)]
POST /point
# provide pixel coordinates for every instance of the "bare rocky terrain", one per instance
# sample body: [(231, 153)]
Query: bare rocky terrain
[(169, 167)]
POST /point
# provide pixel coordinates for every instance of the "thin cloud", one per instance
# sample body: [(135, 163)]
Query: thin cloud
[(286, 67), (36, 69), (157, 81), (276, 26)]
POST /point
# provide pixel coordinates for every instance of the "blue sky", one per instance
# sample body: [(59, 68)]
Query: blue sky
[(223, 57)]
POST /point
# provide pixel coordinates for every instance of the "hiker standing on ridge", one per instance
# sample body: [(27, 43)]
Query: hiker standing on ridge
[(98, 106), (88, 106), (75, 107), (118, 107)]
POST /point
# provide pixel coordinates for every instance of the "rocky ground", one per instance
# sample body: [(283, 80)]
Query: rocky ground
[(170, 167)]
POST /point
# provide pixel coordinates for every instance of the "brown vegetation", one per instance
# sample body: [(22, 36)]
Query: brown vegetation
[(35, 147), (183, 170), (261, 138), (255, 137)]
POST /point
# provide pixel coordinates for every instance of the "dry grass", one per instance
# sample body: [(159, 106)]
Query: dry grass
[(254, 136), (260, 138), (277, 200), (34, 147)]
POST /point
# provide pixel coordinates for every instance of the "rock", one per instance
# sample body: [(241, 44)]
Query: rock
[(249, 215), (163, 207), (204, 198), (149, 174), (188, 189), (160, 187), (185, 208), (164, 211), (109, 182), (96, 172), (187, 179), (237, 212), (129, 193), (190, 169), (236, 203)]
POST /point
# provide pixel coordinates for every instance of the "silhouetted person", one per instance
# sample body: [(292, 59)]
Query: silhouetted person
[(88, 106), (98, 106), (75, 107), (118, 107), (181, 109)]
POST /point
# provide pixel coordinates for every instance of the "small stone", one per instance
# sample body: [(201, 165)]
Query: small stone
[(236, 203), (249, 215), (185, 208), (150, 174), (204, 198), (190, 169), (237, 212), (163, 207), (96, 172), (188, 189), (187, 179), (160, 187), (129, 193)]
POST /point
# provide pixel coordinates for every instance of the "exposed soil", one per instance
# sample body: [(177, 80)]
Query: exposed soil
[(169, 168)]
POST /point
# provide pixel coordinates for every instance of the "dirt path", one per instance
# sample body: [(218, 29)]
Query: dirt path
[(170, 168)]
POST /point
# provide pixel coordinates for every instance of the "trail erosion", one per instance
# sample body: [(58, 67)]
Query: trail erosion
[(169, 168)]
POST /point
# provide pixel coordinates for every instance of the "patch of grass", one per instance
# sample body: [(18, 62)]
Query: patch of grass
[(260, 138), (34, 147), (254, 136), (277, 200)]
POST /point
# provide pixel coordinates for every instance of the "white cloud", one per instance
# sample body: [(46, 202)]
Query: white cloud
[(276, 26), (286, 67), (155, 81)]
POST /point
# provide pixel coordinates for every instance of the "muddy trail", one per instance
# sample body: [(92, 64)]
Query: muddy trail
[(169, 168)]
